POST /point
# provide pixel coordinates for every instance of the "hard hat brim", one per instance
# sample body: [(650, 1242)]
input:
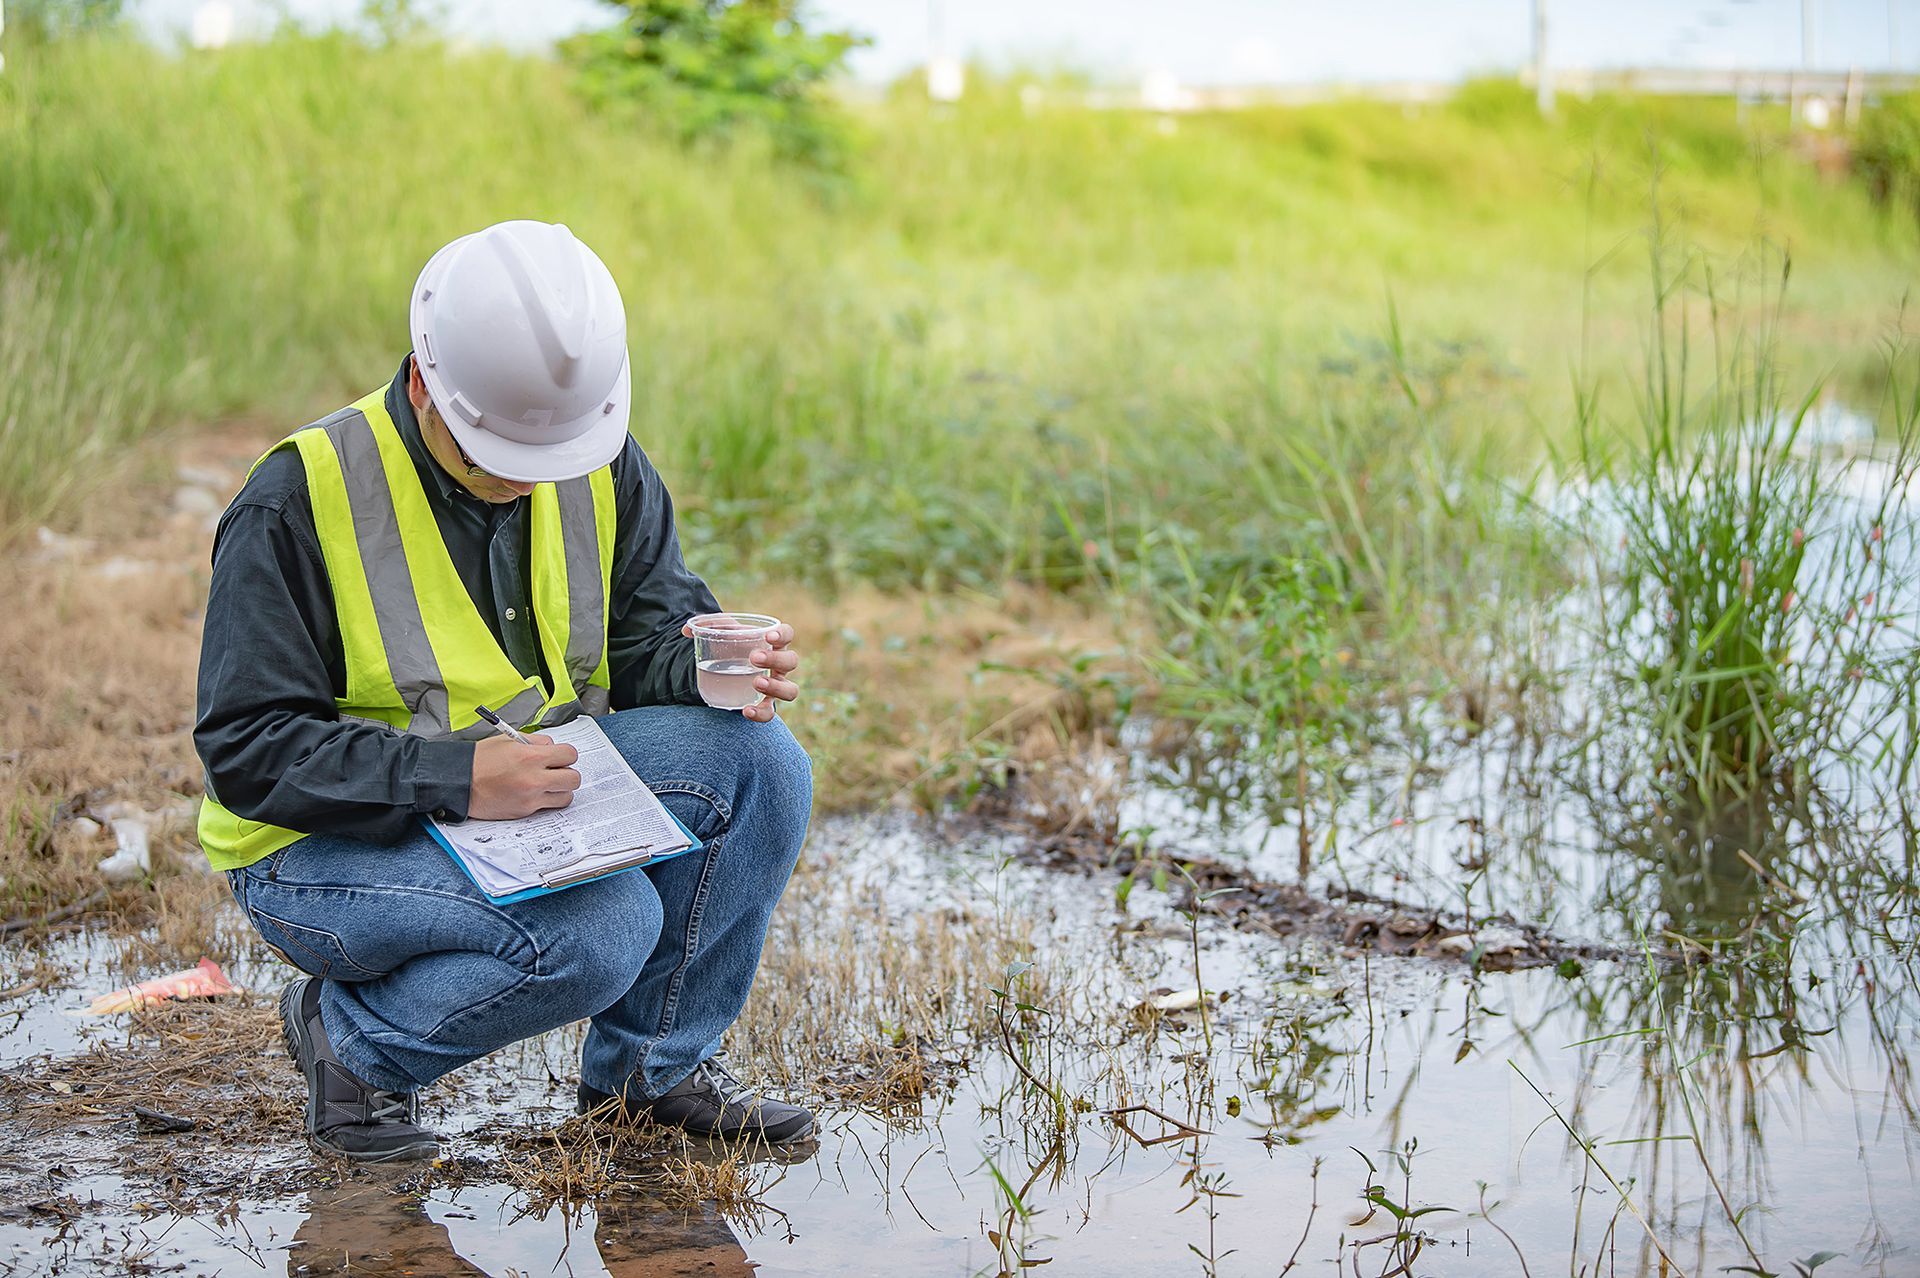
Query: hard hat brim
[(598, 442)]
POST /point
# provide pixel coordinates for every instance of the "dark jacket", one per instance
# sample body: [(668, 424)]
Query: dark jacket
[(271, 664)]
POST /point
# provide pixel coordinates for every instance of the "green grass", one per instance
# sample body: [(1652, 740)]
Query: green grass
[(1169, 361), (1754, 619), (993, 308)]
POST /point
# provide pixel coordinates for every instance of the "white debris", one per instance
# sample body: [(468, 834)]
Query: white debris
[(85, 827), (133, 858), (1175, 1001), (1492, 940), (1503, 940), (55, 545)]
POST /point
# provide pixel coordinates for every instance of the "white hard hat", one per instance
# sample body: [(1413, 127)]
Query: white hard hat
[(521, 339)]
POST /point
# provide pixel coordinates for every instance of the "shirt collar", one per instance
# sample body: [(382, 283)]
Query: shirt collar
[(433, 476)]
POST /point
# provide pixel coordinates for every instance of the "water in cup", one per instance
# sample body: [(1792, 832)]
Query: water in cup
[(723, 646), (727, 682)]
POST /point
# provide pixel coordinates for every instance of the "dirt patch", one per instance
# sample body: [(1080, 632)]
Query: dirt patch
[(905, 698), (97, 657), (197, 1106)]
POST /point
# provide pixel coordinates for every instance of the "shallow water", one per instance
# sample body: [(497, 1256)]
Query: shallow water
[(1802, 1106)]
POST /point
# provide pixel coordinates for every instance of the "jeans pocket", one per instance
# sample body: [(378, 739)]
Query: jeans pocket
[(313, 950)]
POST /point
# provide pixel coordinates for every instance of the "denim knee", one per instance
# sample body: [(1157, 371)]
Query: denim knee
[(588, 965), (774, 774), (731, 762)]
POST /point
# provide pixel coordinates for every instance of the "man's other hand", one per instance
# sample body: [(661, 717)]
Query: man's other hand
[(513, 780), (778, 661)]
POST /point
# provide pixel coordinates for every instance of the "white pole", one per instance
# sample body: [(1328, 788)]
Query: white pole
[(1542, 73)]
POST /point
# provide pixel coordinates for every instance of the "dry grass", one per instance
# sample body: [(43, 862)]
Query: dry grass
[(97, 655), (860, 1005), (904, 697), (218, 1061), (185, 917), (890, 1079), (596, 1156), (922, 698)]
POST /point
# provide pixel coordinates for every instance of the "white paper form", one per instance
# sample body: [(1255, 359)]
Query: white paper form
[(612, 818)]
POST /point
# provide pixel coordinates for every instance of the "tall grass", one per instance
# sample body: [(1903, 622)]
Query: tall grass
[(1000, 315), (1756, 610), (1050, 344), (73, 385)]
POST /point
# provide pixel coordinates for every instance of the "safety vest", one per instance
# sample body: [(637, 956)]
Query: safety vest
[(419, 658)]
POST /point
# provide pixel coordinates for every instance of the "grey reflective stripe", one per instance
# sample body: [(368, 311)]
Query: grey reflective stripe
[(522, 708), (592, 700), (586, 591), (518, 711), (396, 608), (562, 712)]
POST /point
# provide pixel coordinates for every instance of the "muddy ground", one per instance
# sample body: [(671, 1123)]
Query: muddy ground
[(1088, 1020)]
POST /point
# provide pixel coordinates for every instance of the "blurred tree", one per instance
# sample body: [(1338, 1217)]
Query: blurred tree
[(1887, 152), (31, 20), (706, 69), (400, 21)]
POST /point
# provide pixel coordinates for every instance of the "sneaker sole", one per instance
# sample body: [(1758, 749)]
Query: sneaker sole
[(805, 1135), (293, 1034), (406, 1154)]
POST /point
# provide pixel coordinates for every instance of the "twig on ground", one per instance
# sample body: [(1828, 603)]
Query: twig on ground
[(57, 915), (1182, 1130)]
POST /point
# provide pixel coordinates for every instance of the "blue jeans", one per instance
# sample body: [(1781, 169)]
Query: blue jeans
[(421, 973)]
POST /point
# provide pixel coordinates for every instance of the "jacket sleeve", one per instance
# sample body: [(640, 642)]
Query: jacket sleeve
[(649, 660), (266, 725)]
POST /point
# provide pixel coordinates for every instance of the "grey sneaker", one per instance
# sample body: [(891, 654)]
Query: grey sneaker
[(712, 1102), (344, 1115)]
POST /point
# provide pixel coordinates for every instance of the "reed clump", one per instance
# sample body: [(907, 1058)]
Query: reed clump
[(1753, 630)]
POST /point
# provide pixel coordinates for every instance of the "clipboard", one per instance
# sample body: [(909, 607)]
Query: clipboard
[(562, 883)]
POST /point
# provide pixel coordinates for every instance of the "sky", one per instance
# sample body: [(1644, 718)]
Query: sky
[(1249, 42)]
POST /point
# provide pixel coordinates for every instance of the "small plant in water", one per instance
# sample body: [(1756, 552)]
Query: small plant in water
[(1743, 605), (1207, 1188), (1406, 1240), (1196, 899), (1267, 659), (1046, 1098)]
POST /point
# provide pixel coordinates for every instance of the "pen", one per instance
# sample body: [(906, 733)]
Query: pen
[(501, 726)]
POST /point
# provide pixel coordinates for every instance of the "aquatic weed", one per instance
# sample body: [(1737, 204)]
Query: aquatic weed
[(1749, 631)]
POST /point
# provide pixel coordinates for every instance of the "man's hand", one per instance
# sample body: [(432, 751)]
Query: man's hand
[(513, 780), (780, 661)]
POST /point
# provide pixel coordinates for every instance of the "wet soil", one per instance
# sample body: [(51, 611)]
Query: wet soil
[(1492, 1032), (1339, 1078)]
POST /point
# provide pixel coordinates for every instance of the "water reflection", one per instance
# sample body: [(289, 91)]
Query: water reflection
[(1761, 1090), (372, 1223), (1746, 1079)]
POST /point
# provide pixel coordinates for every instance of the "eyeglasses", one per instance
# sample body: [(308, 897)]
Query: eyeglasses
[(474, 469)]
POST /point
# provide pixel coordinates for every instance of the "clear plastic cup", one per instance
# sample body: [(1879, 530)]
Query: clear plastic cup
[(722, 644)]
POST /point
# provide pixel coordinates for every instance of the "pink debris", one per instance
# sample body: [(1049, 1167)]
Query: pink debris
[(203, 980)]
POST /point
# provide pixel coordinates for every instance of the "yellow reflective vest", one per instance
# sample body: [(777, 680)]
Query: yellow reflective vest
[(419, 657)]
